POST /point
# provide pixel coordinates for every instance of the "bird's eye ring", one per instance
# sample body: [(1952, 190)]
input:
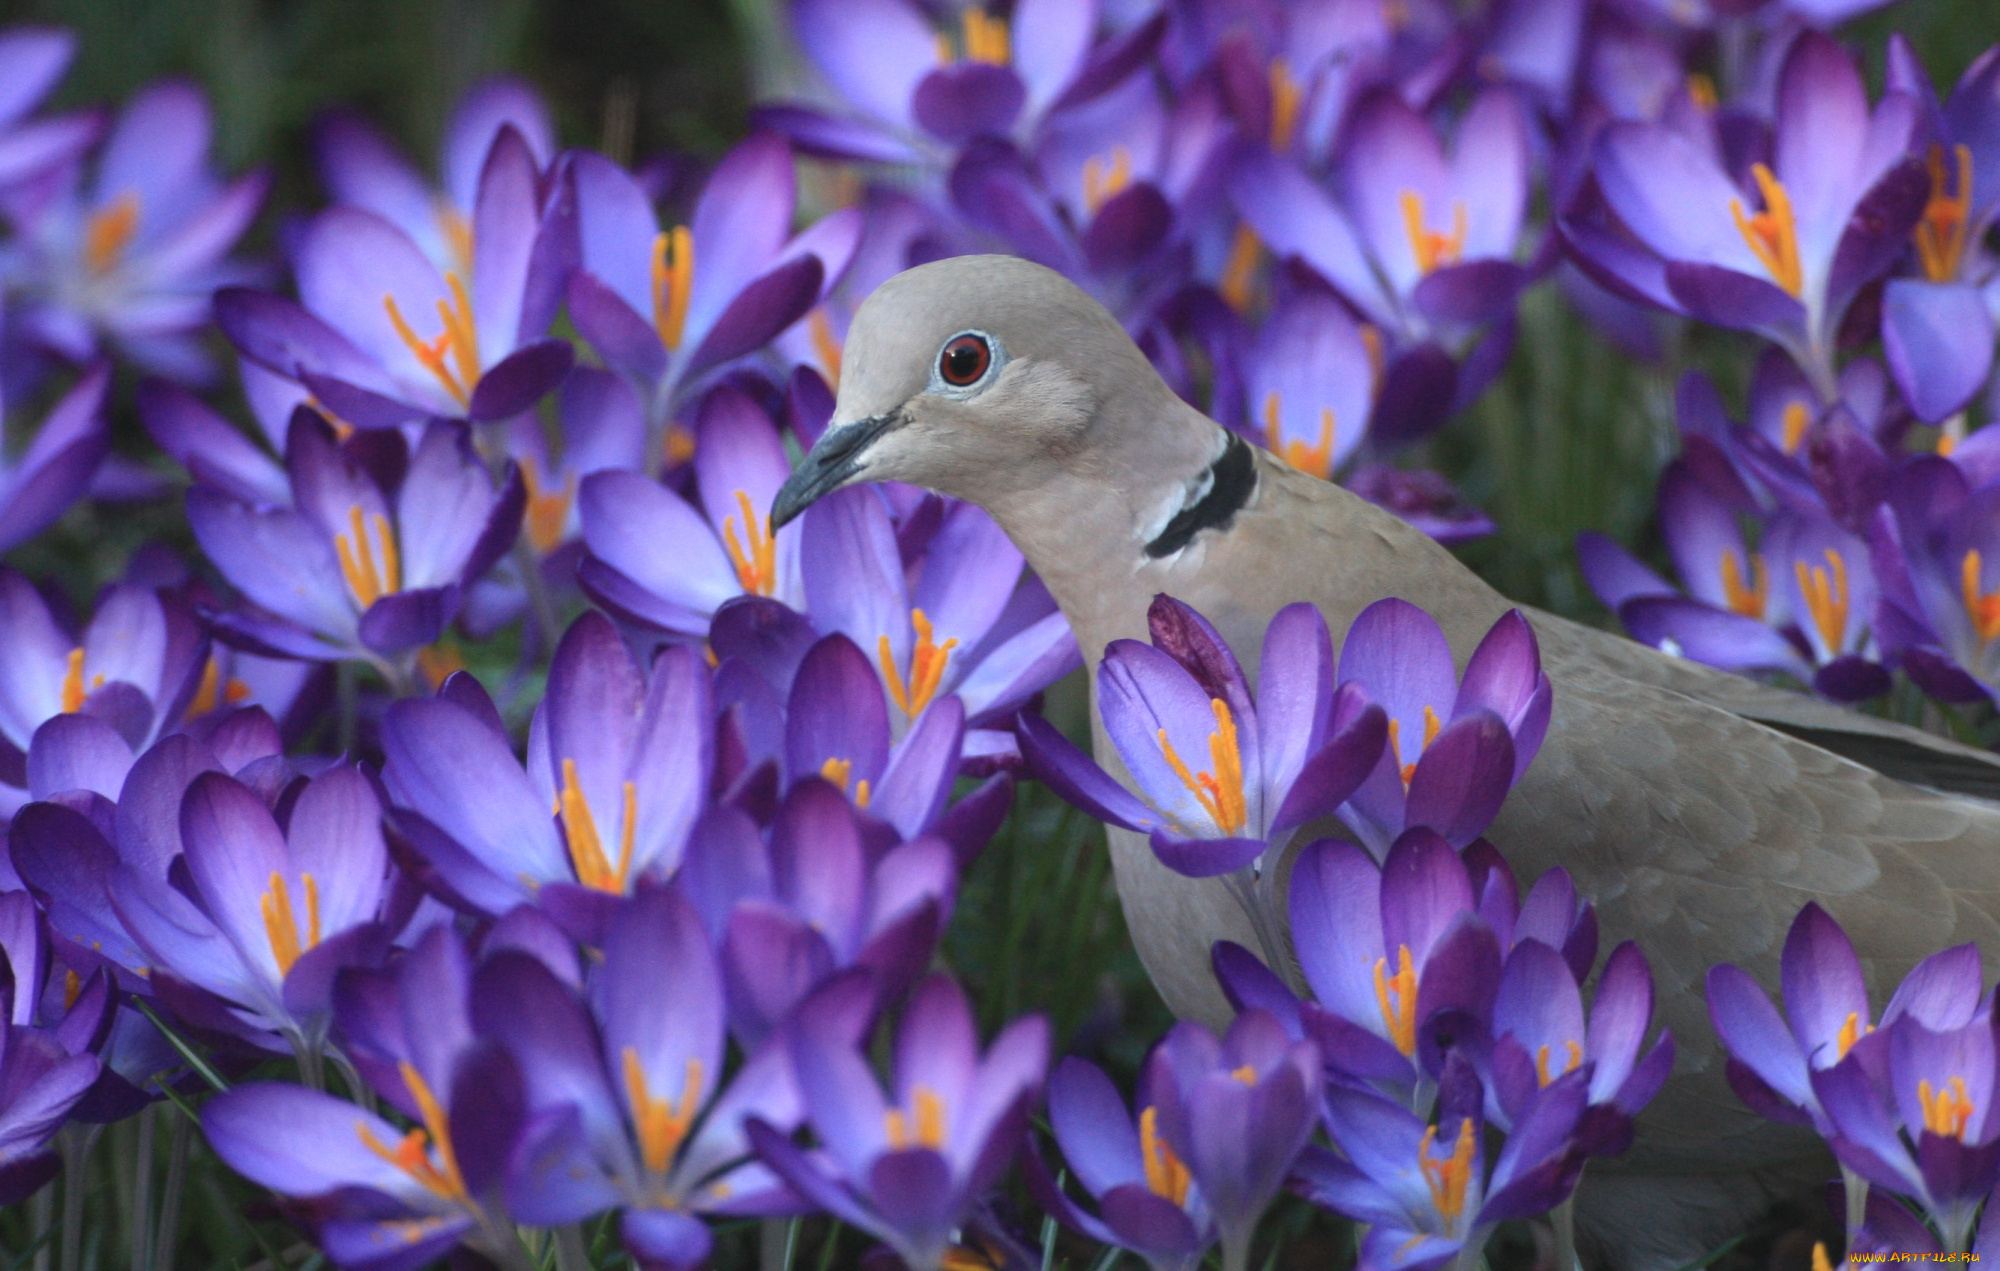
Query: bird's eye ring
[(964, 360)]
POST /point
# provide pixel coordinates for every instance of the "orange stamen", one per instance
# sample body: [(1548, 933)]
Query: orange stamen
[(547, 515), (927, 663), (1286, 97), (1948, 1111), (1772, 233), (825, 347), (1701, 91), (72, 683), (109, 232), (1166, 1177), (412, 1154), (459, 341), (1947, 219), (757, 561), (662, 1126), (1432, 727), (1982, 606), (1796, 419), (837, 771), (586, 846), (1542, 1074), (1316, 458), (1396, 995), (1239, 272), (1431, 248), (929, 1118), (281, 926), (366, 580), (1826, 598), (1748, 601), (1220, 792), (1101, 182), (673, 283), (1851, 1031), (1448, 1179), (986, 38)]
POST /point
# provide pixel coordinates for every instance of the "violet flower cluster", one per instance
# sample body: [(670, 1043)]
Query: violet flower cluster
[(613, 935)]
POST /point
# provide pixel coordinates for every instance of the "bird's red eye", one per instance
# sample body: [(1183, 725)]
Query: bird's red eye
[(964, 360)]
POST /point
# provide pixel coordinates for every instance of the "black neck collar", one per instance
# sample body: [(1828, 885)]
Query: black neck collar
[(1231, 480)]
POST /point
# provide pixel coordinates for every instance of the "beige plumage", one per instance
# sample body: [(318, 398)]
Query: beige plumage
[(1688, 803)]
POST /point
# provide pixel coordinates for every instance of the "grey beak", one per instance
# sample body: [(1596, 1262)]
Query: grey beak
[(829, 464)]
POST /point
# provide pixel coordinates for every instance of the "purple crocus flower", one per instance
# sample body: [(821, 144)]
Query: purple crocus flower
[(617, 773), (1220, 1124), (1422, 245), (1938, 324), (1456, 746), (1426, 1190), (908, 1168), (381, 1197), (627, 1101), (1294, 753), (1540, 1033), (1831, 212), (372, 557), (1910, 1110), (44, 1075), (32, 60), (57, 464), (665, 306), (362, 169), (919, 91), (382, 337), (271, 912), (1147, 1201), (1772, 1060), (134, 670), (134, 253), (814, 900), (1398, 956)]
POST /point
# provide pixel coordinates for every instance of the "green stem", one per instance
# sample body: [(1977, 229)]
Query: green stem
[(43, 1219), (347, 681), (571, 1253), (1563, 1219), (1236, 1248), (77, 1139), (1856, 1188), (142, 1189), (540, 608), (167, 1237)]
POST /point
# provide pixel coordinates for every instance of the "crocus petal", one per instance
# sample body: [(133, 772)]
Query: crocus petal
[(1939, 341)]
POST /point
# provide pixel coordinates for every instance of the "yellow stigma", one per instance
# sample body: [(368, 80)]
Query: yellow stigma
[(1219, 792), (212, 692), (1166, 1177), (1430, 247), (281, 925), (1239, 272), (1315, 457), (1772, 233), (1287, 95), (439, 662), (757, 560), (372, 569), (1102, 182), (1247, 1074), (928, 1115), (1747, 600), (662, 1126), (1826, 598), (547, 514), (673, 283), (1947, 218), (1820, 1261), (457, 233), (1701, 91), (1396, 995), (459, 341), (109, 232), (1947, 1112), (1851, 1030), (1449, 1178), (838, 771), (927, 662), (586, 846), (825, 347), (1542, 1074), (1796, 419), (412, 1154), (1982, 606), (985, 37)]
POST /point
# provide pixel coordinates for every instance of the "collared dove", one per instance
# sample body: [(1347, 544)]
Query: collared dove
[(1698, 809)]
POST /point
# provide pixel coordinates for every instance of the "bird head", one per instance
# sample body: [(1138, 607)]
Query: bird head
[(972, 376)]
